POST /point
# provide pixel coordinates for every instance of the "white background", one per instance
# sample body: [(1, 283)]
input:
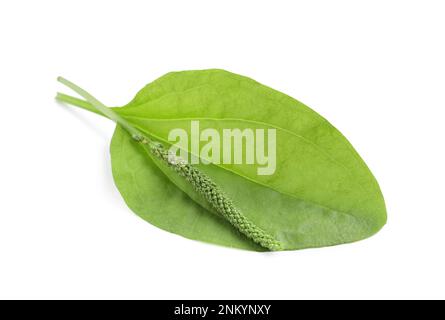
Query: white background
[(375, 69)]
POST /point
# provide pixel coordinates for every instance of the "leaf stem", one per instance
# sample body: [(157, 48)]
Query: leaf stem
[(77, 102), (99, 107)]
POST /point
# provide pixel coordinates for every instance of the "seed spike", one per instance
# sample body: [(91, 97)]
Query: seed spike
[(200, 182)]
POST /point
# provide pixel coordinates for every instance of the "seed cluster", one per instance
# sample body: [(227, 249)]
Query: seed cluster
[(212, 193)]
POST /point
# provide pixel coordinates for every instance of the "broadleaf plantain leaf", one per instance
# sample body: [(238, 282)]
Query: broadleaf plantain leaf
[(321, 194)]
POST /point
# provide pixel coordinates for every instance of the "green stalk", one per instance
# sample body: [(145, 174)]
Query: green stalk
[(77, 102), (100, 107), (200, 182)]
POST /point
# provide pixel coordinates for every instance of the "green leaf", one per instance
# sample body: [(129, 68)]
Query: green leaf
[(321, 194)]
